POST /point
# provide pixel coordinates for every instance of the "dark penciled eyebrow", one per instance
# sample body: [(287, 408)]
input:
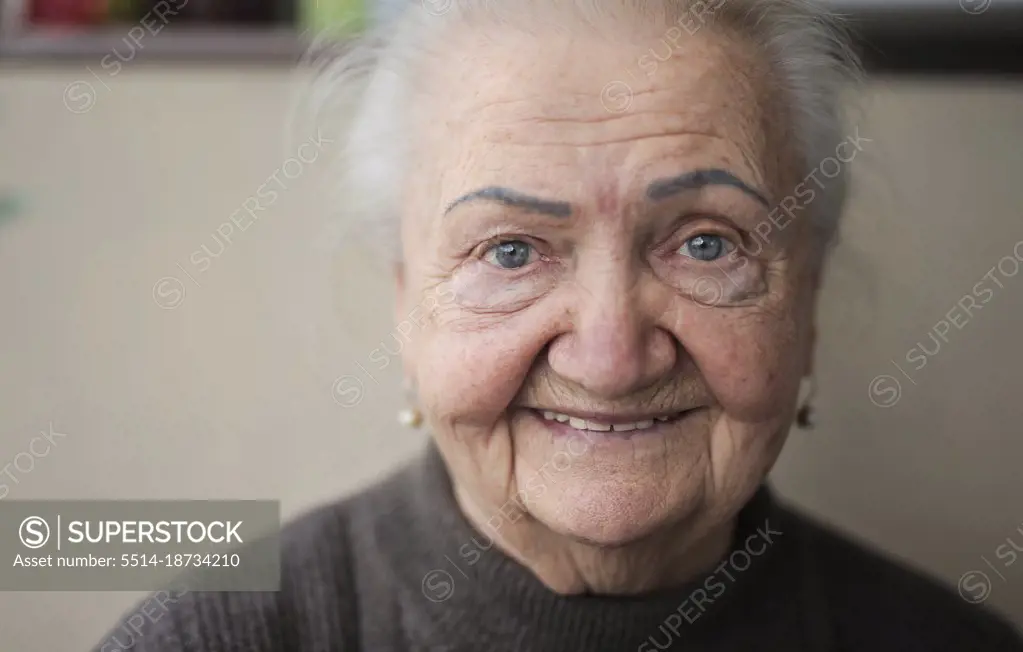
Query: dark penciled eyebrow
[(516, 199), (664, 188)]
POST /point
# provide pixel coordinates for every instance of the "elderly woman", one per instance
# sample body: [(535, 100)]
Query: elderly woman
[(612, 218)]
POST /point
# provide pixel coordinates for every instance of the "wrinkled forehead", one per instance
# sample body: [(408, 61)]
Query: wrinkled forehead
[(575, 113)]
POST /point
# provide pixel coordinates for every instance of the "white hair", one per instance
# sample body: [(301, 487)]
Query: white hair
[(361, 93)]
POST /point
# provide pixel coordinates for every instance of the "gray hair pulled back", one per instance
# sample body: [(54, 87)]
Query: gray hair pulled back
[(362, 90)]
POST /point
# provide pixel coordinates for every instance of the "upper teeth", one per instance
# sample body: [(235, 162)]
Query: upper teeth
[(586, 424)]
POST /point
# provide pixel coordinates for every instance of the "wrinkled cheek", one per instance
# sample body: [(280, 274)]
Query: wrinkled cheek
[(419, 319), (468, 379), (753, 373), (481, 339)]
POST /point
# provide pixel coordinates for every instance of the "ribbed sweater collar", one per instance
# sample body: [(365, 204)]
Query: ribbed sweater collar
[(458, 591)]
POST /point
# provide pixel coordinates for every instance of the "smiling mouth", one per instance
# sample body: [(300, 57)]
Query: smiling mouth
[(596, 423)]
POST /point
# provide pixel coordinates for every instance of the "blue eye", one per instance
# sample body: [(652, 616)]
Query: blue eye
[(706, 247), (512, 254)]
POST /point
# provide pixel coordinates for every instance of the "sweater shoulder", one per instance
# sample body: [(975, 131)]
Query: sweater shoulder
[(879, 602), (313, 604)]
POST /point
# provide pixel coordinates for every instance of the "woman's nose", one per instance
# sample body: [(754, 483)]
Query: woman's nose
[(615, 347)]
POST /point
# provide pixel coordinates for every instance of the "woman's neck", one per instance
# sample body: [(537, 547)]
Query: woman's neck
[(568, 566)]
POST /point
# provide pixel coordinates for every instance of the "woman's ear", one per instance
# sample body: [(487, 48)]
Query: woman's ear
[(401, 314), (816, 276), (399, 289), (811, 349)]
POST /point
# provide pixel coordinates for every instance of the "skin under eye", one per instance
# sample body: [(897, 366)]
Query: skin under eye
[(706, 247), (510, 254)]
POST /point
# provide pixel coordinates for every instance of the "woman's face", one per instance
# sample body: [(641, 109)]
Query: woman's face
[(607, 344)]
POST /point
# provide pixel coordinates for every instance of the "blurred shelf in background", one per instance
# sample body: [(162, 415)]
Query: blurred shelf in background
[(198, 43), (198, 30), (943, 37), (893, 36)]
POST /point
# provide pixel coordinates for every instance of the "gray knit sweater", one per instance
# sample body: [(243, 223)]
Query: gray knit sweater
[(397, 568)]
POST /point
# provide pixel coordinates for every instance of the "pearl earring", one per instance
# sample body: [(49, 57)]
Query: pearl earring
[(410, 417)]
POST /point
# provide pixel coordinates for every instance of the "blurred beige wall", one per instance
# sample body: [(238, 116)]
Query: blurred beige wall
[(167, 378)]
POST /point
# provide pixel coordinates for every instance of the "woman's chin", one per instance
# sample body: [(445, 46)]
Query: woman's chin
[(611, 513)]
